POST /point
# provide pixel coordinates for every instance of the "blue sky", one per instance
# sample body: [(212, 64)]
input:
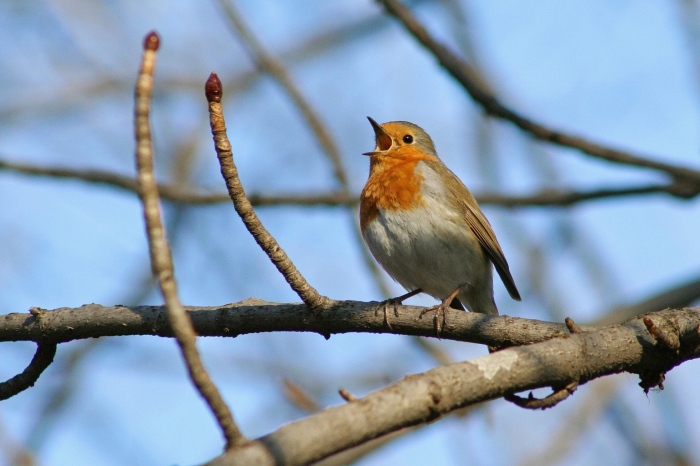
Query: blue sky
[(622, 73)]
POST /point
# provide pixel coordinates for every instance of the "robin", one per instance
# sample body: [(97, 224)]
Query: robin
[(425, 228)]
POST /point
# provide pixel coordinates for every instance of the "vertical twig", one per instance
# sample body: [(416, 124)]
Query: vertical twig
[(243, 207), (161, 260)]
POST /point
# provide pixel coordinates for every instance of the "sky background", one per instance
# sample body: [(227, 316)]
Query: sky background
[(624, 73)]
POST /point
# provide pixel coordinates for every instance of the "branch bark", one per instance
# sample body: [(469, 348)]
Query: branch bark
[(419, 399), (256, 316)]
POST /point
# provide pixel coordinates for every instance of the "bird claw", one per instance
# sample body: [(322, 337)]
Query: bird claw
[(439, 309), (384, 305)]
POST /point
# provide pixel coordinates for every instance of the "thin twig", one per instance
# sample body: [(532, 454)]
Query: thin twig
[(346, 395), (306, 292), (299, 397), (469, 79), (161, 260), (28, 377), (557, 396), (667, 340), (561, 198), (174, 193), (571, 325), (276, 69)]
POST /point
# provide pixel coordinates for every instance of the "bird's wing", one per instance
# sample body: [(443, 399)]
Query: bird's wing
[(487, 238), (463, 200)]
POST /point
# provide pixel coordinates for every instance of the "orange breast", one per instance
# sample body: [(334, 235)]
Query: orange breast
[(393, 184)]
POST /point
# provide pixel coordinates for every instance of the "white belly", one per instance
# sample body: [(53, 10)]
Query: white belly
[(427, 248)]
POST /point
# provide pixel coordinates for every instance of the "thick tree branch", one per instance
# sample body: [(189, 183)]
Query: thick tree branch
[(422, 398), (256, 316), (161, 259), (472, 83)]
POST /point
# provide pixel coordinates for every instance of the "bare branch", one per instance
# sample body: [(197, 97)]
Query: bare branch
[(257, 316), (306, 292), (175, 193), (551, 400), (561, 198), (277, 70), (428, 396), (469, 79), (43, 357), (161, 259), (678, 296)]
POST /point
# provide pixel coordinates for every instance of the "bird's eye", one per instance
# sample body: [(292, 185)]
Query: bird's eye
[(408, 139)]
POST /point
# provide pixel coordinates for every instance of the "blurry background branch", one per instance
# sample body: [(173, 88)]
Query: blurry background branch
[(177, 194), (474, 85)]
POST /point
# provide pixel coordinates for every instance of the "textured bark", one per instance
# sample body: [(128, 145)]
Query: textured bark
[(421, 398), (255, 316)]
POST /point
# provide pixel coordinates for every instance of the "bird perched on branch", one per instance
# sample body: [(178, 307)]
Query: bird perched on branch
[(424, 226)]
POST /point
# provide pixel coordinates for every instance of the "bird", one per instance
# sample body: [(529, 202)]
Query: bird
[(425, 228)]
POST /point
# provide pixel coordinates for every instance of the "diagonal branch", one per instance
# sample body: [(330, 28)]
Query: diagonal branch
[(161, 259), (268, 64), (469, 79), (296, 280)]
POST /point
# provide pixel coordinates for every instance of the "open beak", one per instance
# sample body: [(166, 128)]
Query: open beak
[(384, 141)]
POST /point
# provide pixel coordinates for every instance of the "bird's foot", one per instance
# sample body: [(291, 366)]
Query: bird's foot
[(441, 309), (394, 302)]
